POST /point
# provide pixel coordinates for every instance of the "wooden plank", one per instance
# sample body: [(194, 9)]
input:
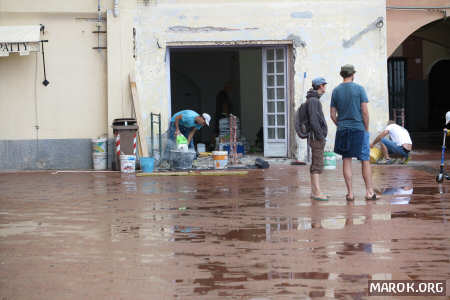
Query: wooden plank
[(163, 174), (194, 173), (143, 148), (223, 173)]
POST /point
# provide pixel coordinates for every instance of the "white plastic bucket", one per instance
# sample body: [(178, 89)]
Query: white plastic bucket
[(220, 159), (201, 148), (182, 147), (100, 160), (127, 163), (329, 161), (99, 145)]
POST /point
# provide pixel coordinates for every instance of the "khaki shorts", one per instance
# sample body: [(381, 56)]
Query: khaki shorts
[(317, 156)]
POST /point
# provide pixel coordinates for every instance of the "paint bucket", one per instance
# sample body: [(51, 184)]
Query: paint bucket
[(329, 160), (147, 164), (375, 154), (201, 148), (100, 160), (127, 163), (99, 145), (220, 159)]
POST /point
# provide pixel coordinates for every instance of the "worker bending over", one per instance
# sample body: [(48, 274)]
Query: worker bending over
[(399, 144), (187, 122)]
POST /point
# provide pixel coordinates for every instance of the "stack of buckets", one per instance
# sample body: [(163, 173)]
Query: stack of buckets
[(99, 154), (127, 163)]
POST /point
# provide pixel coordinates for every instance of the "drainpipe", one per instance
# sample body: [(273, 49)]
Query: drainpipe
[(116, 8)]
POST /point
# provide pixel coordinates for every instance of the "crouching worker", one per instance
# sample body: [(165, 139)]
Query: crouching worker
[(399, 144)]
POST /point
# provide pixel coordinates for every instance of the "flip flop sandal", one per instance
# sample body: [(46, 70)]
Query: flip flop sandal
[(320, 198), (386, 162), (348, 198), (373, 197)]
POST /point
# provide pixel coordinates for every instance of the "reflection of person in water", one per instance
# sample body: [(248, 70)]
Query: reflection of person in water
[(223, 104), (401, 195)]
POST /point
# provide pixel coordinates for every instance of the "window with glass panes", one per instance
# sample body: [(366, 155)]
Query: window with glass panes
[(276, 93)]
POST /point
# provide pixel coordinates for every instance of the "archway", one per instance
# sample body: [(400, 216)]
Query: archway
[(418, 73), (439, 94), (404, 17)]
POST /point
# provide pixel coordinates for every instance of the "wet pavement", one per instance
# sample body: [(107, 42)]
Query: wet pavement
[(258, 236)]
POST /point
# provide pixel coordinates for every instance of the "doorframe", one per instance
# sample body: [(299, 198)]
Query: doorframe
[(290, 73), (290, 63)]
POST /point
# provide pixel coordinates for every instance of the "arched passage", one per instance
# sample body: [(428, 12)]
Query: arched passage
[(401, 23), (418, 74)]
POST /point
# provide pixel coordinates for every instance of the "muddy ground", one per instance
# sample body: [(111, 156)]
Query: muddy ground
[(257, 236)]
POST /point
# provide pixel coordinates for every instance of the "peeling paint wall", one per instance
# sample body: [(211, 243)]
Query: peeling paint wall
[(326, 35)]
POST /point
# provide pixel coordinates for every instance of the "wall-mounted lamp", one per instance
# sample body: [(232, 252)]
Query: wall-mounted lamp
[(380, 23)]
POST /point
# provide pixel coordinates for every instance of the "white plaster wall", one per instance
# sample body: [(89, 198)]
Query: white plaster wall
[(74, 105), (322, 25)]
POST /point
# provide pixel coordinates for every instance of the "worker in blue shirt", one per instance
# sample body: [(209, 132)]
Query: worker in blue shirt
[(187, 122)]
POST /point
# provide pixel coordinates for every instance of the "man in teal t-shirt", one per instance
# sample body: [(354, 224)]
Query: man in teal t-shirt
[(349, 111), (347, 98), (187, 122)]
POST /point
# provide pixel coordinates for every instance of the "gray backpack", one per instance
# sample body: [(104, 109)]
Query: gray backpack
[(302, 126)]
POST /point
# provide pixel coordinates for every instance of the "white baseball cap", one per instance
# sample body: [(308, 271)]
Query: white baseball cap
[(447, 118), (207, 118)]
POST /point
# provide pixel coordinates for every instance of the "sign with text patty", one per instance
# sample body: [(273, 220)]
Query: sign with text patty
[(21, 48)]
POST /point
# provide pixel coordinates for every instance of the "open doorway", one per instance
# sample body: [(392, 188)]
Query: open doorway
[(248, 82), (439, 94)]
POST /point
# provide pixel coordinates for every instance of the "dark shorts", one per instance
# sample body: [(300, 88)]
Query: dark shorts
[(317, 156), (395, 149), (352, 143)]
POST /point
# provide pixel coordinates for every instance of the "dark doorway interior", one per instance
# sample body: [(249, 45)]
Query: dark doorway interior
[(397, 89), (203, 77), (439, 94)]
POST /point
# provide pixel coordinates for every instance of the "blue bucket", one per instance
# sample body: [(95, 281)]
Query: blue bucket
[(147, 164)]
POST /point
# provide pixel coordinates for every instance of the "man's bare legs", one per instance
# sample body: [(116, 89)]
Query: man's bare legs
[(367, 175), (315, 186), (347, 171)]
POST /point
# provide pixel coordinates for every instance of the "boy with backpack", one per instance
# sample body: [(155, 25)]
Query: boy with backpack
[(310, 124)]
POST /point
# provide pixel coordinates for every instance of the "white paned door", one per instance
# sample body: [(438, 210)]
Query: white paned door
[(275, 102)]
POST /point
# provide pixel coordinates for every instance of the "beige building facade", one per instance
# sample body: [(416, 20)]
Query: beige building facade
[(169, 45)]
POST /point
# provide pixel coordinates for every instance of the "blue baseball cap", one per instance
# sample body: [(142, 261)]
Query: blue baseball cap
[(319, 81)]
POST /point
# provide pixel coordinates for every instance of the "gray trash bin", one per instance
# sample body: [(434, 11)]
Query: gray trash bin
[(125, 130)]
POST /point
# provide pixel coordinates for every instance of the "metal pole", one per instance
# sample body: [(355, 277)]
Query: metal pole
[(160, 138), (151, 133)]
